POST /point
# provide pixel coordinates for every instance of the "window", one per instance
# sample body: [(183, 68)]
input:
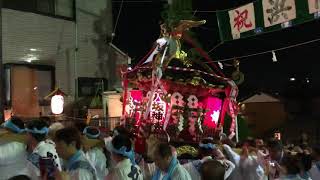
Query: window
[(7, 86), (57, 8), (64, 8), (25, 5), (39, 78), (46, 6), (44, 84), (91, 86)]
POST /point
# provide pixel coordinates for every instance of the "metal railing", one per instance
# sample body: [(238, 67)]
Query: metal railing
[(105, 123)]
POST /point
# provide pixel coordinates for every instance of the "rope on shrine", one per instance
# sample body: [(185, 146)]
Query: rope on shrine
[(216, 10), (204, 55), (144, 58)]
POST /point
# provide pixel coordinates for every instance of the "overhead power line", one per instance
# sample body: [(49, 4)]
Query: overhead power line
[(117, 20), (131, 1), (268, 51)]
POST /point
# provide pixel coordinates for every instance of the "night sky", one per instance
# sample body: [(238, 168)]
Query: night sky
[(138, 28)]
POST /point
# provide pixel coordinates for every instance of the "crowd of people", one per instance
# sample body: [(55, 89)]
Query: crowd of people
[(36, 150)]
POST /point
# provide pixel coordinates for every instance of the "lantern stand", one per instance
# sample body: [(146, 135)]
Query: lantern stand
[(57, 101)]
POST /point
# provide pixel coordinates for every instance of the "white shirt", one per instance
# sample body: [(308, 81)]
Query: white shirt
[(315, 172), (97, 158), (229, 167), (43, 149), (233, 156), (250, 168), (179, 173), (13, 159), (82, 173), (296, 177), (235, 159), (245, 169), (148, 169), (193, 168), (274, 174), (125, 170)]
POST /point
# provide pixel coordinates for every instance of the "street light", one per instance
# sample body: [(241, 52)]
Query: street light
[(292, 79)]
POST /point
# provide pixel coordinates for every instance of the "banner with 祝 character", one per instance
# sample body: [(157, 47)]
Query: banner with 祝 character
[(264, 16), (242, 20)]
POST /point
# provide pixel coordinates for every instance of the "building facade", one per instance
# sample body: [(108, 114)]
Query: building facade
[(55, 43)]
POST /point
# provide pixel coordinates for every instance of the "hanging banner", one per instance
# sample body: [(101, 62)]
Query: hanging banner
[(278, 11), (269, 16), (242, 20), (314, 6)]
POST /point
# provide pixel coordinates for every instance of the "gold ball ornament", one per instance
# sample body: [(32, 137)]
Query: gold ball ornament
[(238, 77)]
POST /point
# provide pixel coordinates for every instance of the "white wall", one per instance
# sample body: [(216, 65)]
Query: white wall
[(52, 39), (39, 39), (92, 15)]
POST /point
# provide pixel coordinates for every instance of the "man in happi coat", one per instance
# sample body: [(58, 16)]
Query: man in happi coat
[(13, 154), (124, 157), (40, 147), (168, 166), (207, 149)]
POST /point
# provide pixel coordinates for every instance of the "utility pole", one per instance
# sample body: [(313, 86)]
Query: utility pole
[(2, 91)]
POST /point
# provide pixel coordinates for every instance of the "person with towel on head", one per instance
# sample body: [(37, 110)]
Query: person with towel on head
[(95, 153), (206, 147), (77, 166), (13, 155), (168, 166), (124, 159), (40, 147), (53, 128), (207, 150)]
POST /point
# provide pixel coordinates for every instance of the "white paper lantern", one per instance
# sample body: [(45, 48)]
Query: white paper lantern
[(57, 102)]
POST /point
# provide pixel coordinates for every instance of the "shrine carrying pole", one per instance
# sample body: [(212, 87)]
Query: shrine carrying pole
[(157, 73)]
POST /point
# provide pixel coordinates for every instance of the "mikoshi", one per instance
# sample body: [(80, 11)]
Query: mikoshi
[(171, 92)]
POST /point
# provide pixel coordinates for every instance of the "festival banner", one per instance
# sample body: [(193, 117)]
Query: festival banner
[(269, 16), (278, 11), (314, 6), (242, 20)]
